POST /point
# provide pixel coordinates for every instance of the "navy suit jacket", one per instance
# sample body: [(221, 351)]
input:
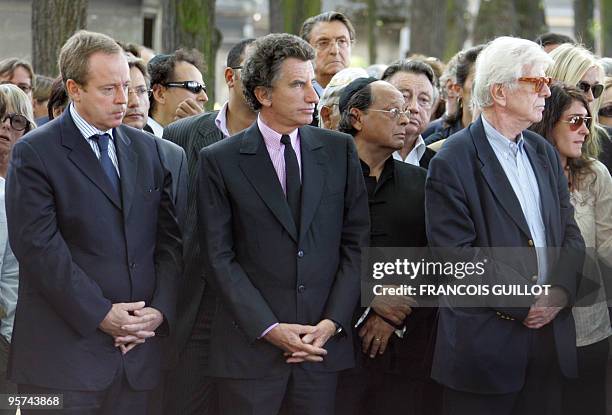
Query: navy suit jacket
[(266, 269), (470, 203), (80, 248)]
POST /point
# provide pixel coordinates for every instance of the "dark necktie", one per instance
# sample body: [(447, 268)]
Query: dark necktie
[(293, 184), (105, 161)]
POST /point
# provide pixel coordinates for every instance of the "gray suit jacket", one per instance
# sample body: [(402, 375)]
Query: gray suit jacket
[(192, 134)]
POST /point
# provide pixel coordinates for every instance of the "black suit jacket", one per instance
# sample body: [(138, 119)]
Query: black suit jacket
[(81, 248), (470, 203), (264, 268), (192, 134)]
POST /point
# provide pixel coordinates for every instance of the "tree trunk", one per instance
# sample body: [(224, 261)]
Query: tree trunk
[(53, 22), (372, 32), (583, 22), (606, 26), (531, 18), (456, 27), (428, 27), (288, 15), (191, 24), (495, 18)]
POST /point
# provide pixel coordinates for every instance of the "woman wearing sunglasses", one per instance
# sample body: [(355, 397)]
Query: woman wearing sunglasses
[(566, 123), (605, 109), (16, 117), (575, 65)]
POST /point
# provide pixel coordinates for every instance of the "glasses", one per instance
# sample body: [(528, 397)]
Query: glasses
[(236, 67), (395, 113), (140, 91), (576, 121), (596, 89), (191, 86), (18, 121), (324, 44), (606, 111), (538, 82), (24, 87)]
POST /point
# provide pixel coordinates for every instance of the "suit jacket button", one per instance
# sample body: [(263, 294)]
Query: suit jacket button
[(530, 242), (534, 278), (133, 265), (300, 253), (301, 288)]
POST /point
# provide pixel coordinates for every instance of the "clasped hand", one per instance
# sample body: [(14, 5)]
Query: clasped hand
[(302, 343), (546, 308), (130, 324)]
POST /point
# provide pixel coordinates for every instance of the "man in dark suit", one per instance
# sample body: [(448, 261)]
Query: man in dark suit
[(283, 214), (92, 224), (495, 184), (415, 80), (189, 390), (172, 156)]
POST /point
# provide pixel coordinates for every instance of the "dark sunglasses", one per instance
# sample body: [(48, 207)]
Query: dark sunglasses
[(192, 86), (606, 111), (596, 89), (538, 82), (576, 121), (18, 121)]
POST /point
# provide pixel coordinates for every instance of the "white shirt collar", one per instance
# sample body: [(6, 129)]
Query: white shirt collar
[(415, 155), (158, 130)]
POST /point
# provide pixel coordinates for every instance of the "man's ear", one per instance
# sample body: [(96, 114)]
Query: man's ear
[(499, 93), (228, 74), (357, 119), (159, 93), (73, 90), (325, 114), (263, 95)]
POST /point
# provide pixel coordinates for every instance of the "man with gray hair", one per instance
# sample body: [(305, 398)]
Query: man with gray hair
[(496, 184), (329, 114), (283, 213)]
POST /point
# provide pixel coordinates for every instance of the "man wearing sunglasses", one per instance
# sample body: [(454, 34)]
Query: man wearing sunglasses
[(496, 184), (178, 90)]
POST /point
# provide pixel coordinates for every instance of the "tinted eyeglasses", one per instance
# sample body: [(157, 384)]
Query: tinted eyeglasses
[(606, 111), (596, 89), (191, 86), (18, 121), (538, 82), (576, 121)]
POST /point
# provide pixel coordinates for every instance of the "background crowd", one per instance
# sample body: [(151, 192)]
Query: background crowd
[(159, 259)]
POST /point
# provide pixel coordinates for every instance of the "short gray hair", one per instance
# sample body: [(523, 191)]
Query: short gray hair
[(503, 61), (327, 17), (262, 66), (333, 90)]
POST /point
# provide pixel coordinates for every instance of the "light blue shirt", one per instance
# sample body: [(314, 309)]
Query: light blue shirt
[(9, 274), (515, 162)]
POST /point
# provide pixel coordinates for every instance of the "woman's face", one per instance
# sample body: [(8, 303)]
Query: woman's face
[(592, 77), (11, 131), (605, 111), (570, 132)]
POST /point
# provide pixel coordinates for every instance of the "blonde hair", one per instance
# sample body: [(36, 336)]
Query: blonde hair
[(571, 63), (74, 55), (13, 99)]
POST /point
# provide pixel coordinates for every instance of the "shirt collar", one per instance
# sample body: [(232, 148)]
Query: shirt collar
[(271, 137), (86, 129), (157, 128), (417, 151), (221, 120)]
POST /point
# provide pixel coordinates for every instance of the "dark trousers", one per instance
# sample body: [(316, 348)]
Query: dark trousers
[(587, 393), (118, 399), (541, 393), (372, 391), (299, 392), (6, 387), (187, 390)]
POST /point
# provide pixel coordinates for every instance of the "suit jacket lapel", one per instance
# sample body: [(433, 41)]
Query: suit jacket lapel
[(313, 176), (496, 177), (258, 169), (84, 158), (128, 167)]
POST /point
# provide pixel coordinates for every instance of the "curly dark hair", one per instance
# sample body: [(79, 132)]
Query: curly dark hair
[(561, 98), (262, 67)]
